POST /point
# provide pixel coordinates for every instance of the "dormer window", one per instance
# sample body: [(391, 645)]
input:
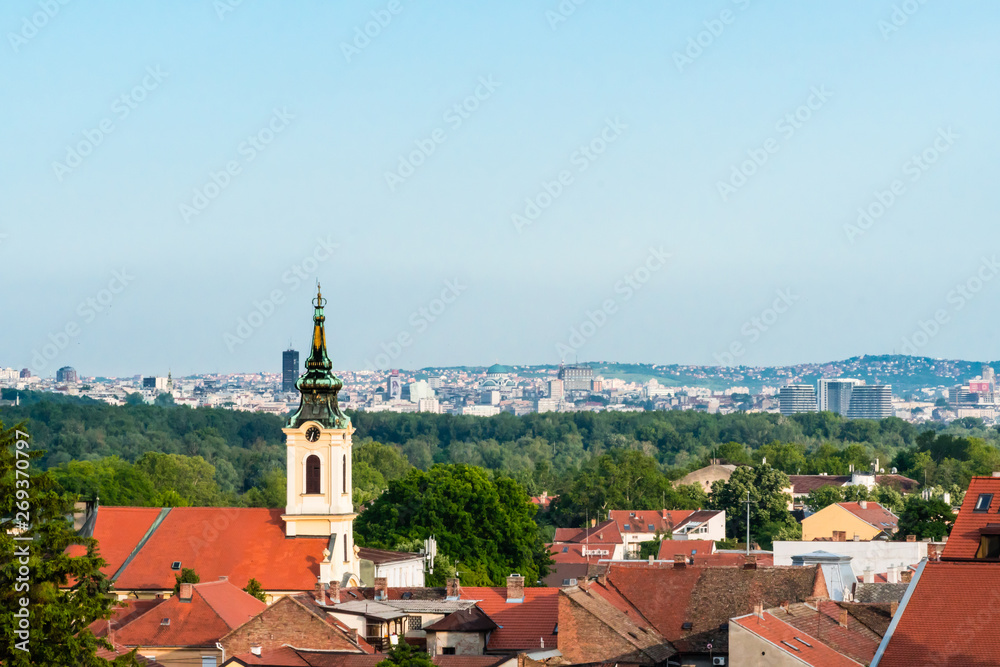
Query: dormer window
[(989, 542), (983, 502)]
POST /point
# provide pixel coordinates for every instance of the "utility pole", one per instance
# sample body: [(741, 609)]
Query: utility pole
[(748, 522)]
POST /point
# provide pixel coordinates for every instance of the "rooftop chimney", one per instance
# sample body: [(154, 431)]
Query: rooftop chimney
[(223, 577), (334, 592), (911, 538), (453, 589), (869, 576), (750, 562), (843, 618), (863, 504), (680, 560), (906, 576), (892, 575), (256, 650), (996, 473), (185, 592), (381, 588), (515, 588), (893, 606), (758, 609), (320, 593)]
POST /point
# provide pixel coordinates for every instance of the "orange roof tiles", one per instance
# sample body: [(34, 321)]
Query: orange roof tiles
[(950, 618), (215, 608), (963, 542), (523, 625), (873, 513), (573, 552), (793, 641), (241, 543), (639, 521), (670, 548), (118, 531)]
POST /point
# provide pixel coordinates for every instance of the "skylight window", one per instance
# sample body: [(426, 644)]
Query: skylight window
[(176, 565), (799, 639), (626, 527), (983, 502), (165, 621), (791, 646), (651, 528)]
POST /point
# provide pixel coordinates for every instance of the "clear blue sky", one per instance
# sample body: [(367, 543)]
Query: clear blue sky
[(345, 120)]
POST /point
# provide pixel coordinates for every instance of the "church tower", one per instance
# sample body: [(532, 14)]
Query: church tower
[(318, 442)]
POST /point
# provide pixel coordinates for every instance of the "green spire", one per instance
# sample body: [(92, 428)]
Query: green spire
[(319, 386)]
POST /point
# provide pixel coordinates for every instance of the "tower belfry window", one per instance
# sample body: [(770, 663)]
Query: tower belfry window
[(313, 474)]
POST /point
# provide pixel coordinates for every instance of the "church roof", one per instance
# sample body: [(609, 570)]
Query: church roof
[(497, 369), (319, 386)]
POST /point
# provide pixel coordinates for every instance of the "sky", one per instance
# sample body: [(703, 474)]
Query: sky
[(723, 182)]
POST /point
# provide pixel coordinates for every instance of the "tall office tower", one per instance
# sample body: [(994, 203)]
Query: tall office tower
[(556, 390), (834, 394), (393, 385), (577, 378), (873, 401), (25, 373), (797, 398), (289, 369), (66, 374)]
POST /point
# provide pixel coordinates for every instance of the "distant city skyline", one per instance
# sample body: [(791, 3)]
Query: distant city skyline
[(713, 183)]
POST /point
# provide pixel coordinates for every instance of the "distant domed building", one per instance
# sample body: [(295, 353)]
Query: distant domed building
[(497, 379)]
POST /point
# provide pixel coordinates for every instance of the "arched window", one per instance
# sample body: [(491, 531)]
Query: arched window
[(345, 473), (312, 474)]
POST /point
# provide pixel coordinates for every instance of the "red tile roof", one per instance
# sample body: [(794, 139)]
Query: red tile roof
[(215, 608), (963, 542), (215, 541), (950, 618), (822, 620), (124, 613), (806, 484), (291, 657), (670, 548), (787, 639), (523, 625), (663, 521), (874, 514), (604, 532), (118, 531)]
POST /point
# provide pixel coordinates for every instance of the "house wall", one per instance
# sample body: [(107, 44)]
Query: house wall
[(180, 657), (286, 622), (748, 650), (465, 643), (875, 556), (832, 518), (409, 573), (714, 529)]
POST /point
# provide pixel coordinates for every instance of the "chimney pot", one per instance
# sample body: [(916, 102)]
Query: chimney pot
[(381, 588), (186, 592), (515, 588), (843, 618), (906, 576), (863, 504), (334, 592), (320, 593), (911, 538), (454, 589), (680, 561)]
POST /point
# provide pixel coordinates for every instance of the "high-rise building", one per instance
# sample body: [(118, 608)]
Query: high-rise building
[(25, 373), (795, 398), (834, 394), (394, 386), (556, 390), (289, 369), (872, 401), (157, 383), (576, 378), (66, 374)]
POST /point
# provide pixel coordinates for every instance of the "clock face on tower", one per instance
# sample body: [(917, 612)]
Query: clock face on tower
[(312, 434)]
